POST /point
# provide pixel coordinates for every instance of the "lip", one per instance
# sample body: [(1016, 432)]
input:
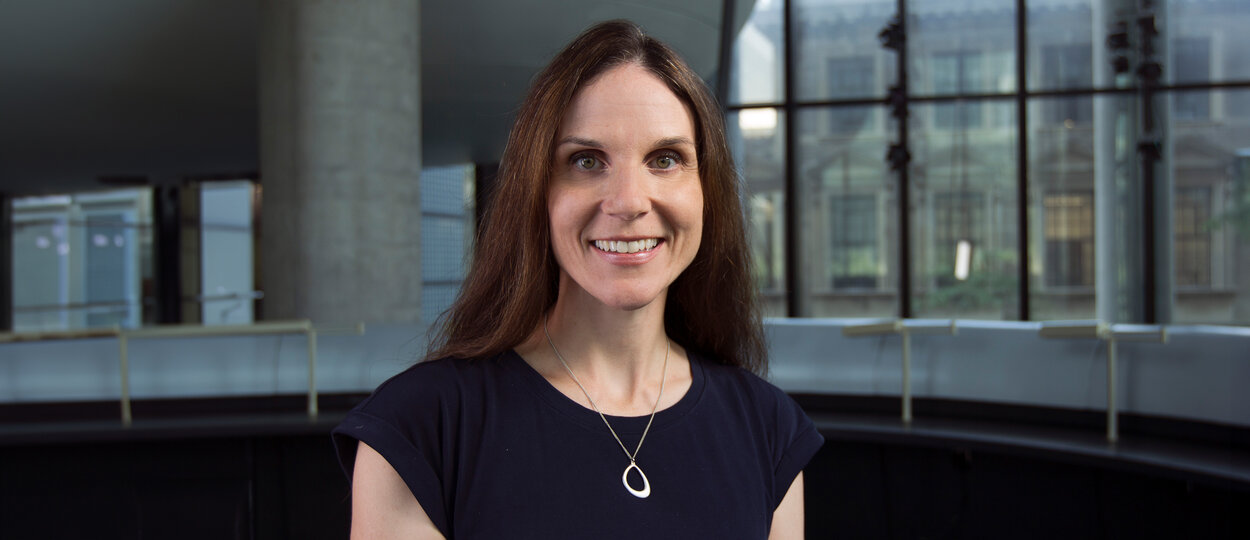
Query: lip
[(627, 259)]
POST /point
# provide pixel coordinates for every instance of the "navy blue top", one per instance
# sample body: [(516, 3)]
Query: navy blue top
[(491, 450)]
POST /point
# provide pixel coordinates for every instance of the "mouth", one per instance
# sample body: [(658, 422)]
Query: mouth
[(626, 246)]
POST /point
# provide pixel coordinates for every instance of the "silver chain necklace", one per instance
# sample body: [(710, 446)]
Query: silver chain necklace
[(633, 464)]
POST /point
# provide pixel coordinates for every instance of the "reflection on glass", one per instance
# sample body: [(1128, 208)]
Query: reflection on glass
[(964, 245), (1068, 151), (758, 57), (1208, 40), (1061, 54), (81, 261), (447, 229), (957, 48), (837, 52), (848, 213), (1211, 206), (226, 244), (757, 137)]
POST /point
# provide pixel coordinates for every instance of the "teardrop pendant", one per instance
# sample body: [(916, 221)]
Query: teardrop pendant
[(646, 485)]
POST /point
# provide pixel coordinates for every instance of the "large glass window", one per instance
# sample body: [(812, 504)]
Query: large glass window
[(757, 138), (847, 213), (758, 57), (1091, 144), (837, 54), (964, 235), (447, 228), (227, 241), (1211, 209), (81, 260)]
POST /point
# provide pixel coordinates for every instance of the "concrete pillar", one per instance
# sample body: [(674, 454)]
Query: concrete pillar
[(340, 152)]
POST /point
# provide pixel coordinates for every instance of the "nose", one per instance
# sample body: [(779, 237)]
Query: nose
[(627, 196)]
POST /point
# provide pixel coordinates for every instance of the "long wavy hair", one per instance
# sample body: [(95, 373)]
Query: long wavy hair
[(712, 306)]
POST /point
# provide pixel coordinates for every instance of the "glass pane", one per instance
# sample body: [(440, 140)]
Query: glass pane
[(963, 196), (226, 247), (1078, 146), (837, 52), (1061, 39), (948, 57), (756, 75), (447, 224), (81, 261), (1211, 206), (1208, 40), (848, 213), (757, 137)]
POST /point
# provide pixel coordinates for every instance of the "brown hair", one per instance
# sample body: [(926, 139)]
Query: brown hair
[(712, 305)]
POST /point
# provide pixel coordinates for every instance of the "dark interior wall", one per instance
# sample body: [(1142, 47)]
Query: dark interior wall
[(867, 490), (220, 488), (290, 486)]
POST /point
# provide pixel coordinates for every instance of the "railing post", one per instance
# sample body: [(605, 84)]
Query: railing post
[(312, 372), (124, 356)]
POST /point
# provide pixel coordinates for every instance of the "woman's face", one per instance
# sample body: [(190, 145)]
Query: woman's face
[(625, 200)]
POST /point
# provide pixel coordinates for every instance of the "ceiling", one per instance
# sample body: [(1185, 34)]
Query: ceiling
[(96, 93)]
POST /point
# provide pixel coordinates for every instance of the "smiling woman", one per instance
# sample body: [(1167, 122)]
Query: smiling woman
[(609, 305)]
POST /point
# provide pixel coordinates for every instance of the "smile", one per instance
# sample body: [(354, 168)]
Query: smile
[(634, 246)]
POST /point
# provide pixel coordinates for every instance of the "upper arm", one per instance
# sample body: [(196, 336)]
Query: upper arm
[(788, 517), (382, 505)]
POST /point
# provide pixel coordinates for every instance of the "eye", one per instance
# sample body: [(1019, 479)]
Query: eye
[(586, 162), (665, 161)]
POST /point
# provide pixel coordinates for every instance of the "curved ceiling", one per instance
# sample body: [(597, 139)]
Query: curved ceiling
[(158, 91)]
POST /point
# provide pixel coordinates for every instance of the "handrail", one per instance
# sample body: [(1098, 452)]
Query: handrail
[(124, 336), (1112, 334), (905, 328)]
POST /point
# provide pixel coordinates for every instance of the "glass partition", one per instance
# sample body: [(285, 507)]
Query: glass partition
[(848, 213), (964, 244), (757, 137), (82, 260)]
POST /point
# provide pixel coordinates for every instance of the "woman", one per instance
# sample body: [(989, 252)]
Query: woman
[(597, 376)]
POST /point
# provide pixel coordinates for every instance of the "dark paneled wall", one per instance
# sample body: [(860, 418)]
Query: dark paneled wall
[(290, 486), (254, 487)]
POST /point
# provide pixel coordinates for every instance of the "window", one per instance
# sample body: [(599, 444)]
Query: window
[(1068, 66), (853, 228), (957, 73), (958, 217), (1191, 223), (1069, 233), (1191, 62), (81, 260), (447, 223)]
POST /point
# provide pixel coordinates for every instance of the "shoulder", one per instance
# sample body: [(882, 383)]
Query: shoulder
[(740, 382), (433, 385), (735, 389)]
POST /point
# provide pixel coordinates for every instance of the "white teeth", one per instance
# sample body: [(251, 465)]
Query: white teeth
[(627, 247)]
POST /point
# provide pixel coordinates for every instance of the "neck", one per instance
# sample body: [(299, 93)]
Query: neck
[(617, 354)]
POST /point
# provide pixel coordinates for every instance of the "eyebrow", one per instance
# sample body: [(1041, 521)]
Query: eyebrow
[(582, 141)]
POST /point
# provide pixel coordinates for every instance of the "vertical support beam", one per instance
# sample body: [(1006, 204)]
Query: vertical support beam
[(124, 359), (796, 301), (1022, 159), (728, 18), (906, 374), (167, 237), (1113, 427), (312, 372), (904, 179)]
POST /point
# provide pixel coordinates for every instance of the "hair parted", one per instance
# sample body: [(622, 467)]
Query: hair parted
[(712, 306)]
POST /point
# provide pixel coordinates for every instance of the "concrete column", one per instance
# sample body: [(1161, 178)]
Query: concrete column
[(340, 151)]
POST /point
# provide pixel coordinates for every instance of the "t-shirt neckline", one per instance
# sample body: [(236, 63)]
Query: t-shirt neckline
[(588, 418)]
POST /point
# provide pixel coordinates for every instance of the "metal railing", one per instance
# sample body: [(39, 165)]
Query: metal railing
[(1110, 333), (124, 336)]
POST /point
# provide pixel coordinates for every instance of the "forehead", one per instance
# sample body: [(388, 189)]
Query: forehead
[(627, 100)]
